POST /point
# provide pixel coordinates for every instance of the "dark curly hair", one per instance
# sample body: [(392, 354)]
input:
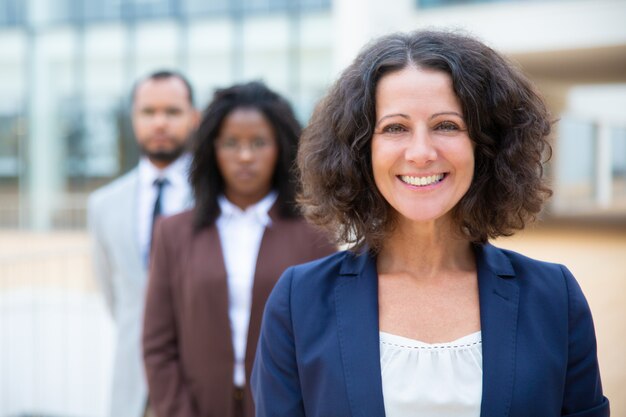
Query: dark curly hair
[(205, 178), (507, 121)]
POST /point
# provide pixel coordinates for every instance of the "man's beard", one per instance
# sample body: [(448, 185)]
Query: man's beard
[(166, 156)]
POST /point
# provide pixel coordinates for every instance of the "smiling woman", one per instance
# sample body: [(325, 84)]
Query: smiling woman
[(422, 155), (428, 145)]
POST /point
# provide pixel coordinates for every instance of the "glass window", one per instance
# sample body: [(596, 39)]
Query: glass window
[(76, 10), (101, 10), (618, 165), (425, 4), (11, 128), (590, 168), (575, 161), (150, 8), (192, 7), (12, 12), (90, 133)]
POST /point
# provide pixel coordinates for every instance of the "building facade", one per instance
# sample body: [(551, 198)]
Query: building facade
[(66, 67)]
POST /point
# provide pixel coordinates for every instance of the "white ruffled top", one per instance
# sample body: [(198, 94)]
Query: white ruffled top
[(431, 380)]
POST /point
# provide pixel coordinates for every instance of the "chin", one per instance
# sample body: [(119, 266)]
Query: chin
[(425, 216), (165, 156)]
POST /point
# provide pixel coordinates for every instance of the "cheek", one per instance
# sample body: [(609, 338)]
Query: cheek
[(222, 166), (270, 163), (466, 164), (184, 123), (380, 163), (141, 127)]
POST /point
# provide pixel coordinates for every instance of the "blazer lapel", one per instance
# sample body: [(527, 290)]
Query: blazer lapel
[(265, 276), (356, 301), (269, 266), (499, 300), (128, 224), (206, 263)]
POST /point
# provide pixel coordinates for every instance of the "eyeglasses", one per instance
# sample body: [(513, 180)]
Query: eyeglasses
[(233, 146)]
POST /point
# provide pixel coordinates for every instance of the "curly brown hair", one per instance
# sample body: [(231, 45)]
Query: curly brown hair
[(507, 121)]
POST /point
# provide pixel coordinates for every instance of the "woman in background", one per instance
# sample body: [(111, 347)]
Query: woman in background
[(428, 145), (213, 267)]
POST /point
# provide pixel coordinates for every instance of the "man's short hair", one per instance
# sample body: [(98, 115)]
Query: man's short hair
[(162, 75)]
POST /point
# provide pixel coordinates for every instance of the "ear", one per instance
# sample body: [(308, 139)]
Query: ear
[(195, 118)]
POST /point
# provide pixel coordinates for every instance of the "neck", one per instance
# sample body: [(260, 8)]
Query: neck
[(160, 164), (245, 201), (425, 250)]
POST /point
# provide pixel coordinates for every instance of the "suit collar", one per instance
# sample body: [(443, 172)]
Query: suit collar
[(356, 297), (488, 258), (355, 263), (128, 226), (356, 301), (499, 303), (493, 259), (206, 250), (258, 212), (176, 173), (266, 272)]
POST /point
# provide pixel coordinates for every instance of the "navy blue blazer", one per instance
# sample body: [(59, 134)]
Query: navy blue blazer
[(318, 352)]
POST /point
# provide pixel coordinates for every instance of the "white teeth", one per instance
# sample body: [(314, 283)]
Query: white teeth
[(422, 181)]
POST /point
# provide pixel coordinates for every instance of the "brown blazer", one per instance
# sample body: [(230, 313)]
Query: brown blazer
[(187, 344)]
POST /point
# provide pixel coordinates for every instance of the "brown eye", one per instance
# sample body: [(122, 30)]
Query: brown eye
[(171, 112), (447, 126), (394, 128)]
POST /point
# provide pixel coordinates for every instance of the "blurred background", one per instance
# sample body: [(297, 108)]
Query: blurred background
[(66, 69)]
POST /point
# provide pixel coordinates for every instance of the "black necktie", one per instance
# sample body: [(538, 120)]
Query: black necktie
[(157, 211), (159, 183)]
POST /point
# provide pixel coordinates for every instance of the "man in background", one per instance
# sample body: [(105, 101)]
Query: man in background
[(121, 216)]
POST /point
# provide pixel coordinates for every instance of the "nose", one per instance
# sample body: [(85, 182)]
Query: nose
[(159, 120), (245, 153), (421, 148)]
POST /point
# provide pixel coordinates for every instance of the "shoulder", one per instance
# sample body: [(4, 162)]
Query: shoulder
[(306, 287), (315, 277), (331, 264), (177, 225), (109, 203), (300, 230), (303, 230), (173, 238), (294, 223), (523, 262), (511, 263), (114, 190), (548, 282)]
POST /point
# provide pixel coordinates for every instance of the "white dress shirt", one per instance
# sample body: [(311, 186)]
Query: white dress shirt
[(240, 234), (175, 196), (431, 380)]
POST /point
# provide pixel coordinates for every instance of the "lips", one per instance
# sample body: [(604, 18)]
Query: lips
[(421, 181), (245, 174)]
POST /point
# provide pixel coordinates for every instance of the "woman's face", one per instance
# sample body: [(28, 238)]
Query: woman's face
[(247, 152), (422, 155)]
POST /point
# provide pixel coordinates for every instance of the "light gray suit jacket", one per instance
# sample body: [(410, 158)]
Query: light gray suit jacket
[(121, 273)]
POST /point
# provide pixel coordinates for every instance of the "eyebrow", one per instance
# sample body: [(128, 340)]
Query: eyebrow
[(446, 113), (391, 115), (405, 116)]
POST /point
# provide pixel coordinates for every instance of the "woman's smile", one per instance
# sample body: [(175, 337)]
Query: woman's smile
[(422, 181)]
